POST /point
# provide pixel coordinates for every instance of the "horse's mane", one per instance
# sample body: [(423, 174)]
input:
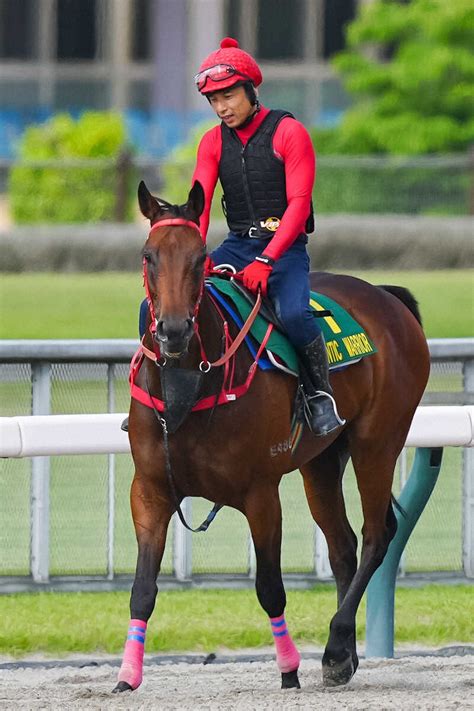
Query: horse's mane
[(173, 210)]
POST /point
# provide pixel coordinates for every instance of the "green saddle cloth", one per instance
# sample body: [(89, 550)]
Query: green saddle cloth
[(346, 340)]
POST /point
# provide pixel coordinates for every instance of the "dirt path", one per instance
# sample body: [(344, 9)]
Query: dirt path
[(412, 682)]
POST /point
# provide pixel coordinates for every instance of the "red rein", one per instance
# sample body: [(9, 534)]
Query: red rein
[(229, 392)]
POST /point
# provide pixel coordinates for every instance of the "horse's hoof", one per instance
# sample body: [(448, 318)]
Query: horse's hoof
[(122, 686), (289, 680), (338, 673)]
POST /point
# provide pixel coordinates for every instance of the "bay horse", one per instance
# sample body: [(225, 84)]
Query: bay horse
[(227, 454)]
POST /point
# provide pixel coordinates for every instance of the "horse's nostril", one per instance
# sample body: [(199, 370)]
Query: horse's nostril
[(160, 330), (173, 330)]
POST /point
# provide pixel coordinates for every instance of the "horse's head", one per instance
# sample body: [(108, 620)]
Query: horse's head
[(174, 256)]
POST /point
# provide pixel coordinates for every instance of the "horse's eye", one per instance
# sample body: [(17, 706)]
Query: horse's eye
[(147, 257)]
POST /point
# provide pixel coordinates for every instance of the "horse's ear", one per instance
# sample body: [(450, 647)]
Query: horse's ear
[(149, 205), (195, 205)]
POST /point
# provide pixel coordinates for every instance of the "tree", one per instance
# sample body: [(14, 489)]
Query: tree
[(410, 68)]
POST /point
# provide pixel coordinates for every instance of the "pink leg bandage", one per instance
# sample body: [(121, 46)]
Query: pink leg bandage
[(131, 670), (288, 657)]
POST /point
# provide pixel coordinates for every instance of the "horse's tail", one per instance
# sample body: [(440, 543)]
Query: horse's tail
[(406, 297)]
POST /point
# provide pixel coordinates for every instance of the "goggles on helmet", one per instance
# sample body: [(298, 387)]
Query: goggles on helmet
[(220, 72)]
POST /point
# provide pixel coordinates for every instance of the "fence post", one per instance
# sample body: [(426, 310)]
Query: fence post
[(468, 485), (380, 612), (322, 565), (182, 552), (40, 470), (123, 166), (252, 558), (403, 476), (111, 479), (470, 163)]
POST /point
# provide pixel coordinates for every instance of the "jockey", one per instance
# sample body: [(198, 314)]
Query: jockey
[(265, 162)]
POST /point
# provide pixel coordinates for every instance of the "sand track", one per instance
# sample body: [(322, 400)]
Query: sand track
[(421, 682)]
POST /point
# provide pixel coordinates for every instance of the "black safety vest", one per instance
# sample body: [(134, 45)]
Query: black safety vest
[(253, 180)]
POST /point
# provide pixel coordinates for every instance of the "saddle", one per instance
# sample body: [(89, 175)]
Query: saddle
[(346, 340), (266, 309)]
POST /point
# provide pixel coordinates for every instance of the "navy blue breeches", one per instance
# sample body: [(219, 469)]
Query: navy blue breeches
[(288, 285)]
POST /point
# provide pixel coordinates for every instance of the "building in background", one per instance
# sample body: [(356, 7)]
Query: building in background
[(139, 56)]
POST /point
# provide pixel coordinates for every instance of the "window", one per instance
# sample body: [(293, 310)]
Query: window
[(77, 29), (142, 30), (15, 94), (72, 94), (337, 13), (280, 29), (140, 95), (17, 34), (232, 17)]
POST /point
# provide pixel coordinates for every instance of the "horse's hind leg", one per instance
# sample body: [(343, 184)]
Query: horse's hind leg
[(374, 469), (323, 486), (151, 515), (263, 511), (322, 478)]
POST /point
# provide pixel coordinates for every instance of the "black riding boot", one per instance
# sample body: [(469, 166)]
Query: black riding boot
[(320, 406), (124, 425)]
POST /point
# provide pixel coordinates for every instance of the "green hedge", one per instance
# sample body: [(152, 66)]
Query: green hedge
[(64, 192), (349, 184), (389, 188)]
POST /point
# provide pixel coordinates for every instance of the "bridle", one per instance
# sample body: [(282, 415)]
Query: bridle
[(165, 223)]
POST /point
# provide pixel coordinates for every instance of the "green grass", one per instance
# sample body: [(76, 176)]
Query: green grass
[(446, 298), (105, 305), (201, 620), (70, 305)]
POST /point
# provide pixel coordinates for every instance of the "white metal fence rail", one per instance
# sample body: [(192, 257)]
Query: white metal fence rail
[(53, 435)]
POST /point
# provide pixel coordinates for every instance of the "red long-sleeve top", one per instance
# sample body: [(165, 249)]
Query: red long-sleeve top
[(291, 144)]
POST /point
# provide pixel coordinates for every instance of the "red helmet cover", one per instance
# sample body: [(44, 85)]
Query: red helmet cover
[(231, 54)]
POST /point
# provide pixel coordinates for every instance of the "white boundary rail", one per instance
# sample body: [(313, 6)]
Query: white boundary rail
[(51, 435)]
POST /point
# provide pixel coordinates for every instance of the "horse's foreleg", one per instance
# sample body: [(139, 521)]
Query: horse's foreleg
[(374, 472), (151, 515), (323, 487), (263, 512)]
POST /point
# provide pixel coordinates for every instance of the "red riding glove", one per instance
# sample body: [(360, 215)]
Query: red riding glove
[(255, 275)]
